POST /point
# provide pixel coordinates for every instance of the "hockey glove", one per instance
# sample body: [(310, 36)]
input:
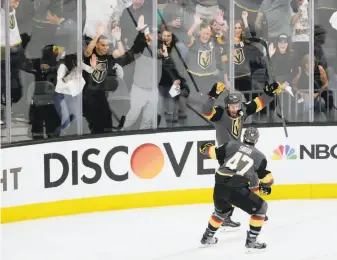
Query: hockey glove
[(273, 88), (240, 113), (265, 189), (216, 90), (204, 148), (209, 150)]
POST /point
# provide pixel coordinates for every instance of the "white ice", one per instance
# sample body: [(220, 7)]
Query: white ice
[(297, 230)]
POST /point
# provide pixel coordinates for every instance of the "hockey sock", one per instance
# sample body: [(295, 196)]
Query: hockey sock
[(255, 225), (215, 222), (256, 191)]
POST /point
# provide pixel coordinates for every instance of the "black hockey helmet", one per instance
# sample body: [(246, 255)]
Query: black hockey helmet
[(232, 99), (251, 135)]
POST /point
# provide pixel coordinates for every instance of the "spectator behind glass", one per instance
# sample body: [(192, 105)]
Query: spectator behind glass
[(219, 25), (300, 23), (242, 56), (105, 12), (282, 58), (41, 92), (43, 31), (278, 15), (95, 104), (68, 90), (204, 63), (219, 30), (324, 9), (301, 83), (320, 36), (128, 23), (15, 55), (144, 92), (248, 59), (250, 6), (206, 9), (173, 108), (178, 16), (66, 31), (129, 19)]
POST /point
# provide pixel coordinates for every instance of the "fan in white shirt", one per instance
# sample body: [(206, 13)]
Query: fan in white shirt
[(13, 30), (69, 85)]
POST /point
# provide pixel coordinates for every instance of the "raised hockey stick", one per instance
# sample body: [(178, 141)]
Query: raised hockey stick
[(271, 78)]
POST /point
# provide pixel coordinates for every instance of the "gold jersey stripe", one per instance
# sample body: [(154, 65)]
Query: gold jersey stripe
[(268, 179), (209, 116), (259, 104), (214, 222), (256, 222)]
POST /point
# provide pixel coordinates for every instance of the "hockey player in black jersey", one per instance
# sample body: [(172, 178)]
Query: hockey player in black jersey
[(228, 120), (242, 162)]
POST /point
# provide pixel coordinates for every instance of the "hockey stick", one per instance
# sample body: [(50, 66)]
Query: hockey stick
[(272, 79)]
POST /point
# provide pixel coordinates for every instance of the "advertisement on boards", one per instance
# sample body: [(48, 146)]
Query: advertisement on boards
[(306, 156), (154, 162), (110, 166)]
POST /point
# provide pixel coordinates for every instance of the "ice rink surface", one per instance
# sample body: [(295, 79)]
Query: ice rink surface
[(296, 230)]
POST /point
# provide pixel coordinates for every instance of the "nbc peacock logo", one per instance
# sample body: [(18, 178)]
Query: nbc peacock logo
[(284, 152)]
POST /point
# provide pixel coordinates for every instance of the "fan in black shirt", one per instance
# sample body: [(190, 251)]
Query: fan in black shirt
[(282, 59), (95, 104)]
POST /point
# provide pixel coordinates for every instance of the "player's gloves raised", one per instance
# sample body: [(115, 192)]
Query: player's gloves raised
[(204, 148), (265, 189), (273, 88), (216, 90)]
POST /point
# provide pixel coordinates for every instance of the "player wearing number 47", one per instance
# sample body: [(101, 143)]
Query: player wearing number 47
[(228, 121), (242, 163)]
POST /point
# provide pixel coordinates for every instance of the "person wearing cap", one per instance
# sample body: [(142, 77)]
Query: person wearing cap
[(282, 58)]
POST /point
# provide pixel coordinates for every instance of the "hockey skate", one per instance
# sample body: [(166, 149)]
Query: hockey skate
[(208, 238), (229, 225), (252, 245)]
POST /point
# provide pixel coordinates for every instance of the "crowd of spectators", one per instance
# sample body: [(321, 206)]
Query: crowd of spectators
[(145, 64)]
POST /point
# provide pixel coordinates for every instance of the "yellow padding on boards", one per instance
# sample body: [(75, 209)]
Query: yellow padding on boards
[(105, 203), (153, 199)]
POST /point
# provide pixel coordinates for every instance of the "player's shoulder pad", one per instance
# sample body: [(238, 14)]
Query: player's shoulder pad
[(260, 156), (218, 112)]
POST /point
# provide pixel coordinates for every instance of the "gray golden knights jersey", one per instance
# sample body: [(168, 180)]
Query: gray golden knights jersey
[(228, 128), (242, 160), (202, 58)]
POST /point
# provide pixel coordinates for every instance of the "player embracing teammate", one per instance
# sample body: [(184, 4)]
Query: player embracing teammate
[(228, 122)]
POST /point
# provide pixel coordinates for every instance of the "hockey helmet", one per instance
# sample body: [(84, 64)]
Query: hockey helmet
[(251, 135), (232, 99)]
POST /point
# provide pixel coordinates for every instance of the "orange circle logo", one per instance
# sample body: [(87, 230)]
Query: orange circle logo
[(147, 161)]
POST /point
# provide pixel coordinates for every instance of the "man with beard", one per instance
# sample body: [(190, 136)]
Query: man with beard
[(228, 120)]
